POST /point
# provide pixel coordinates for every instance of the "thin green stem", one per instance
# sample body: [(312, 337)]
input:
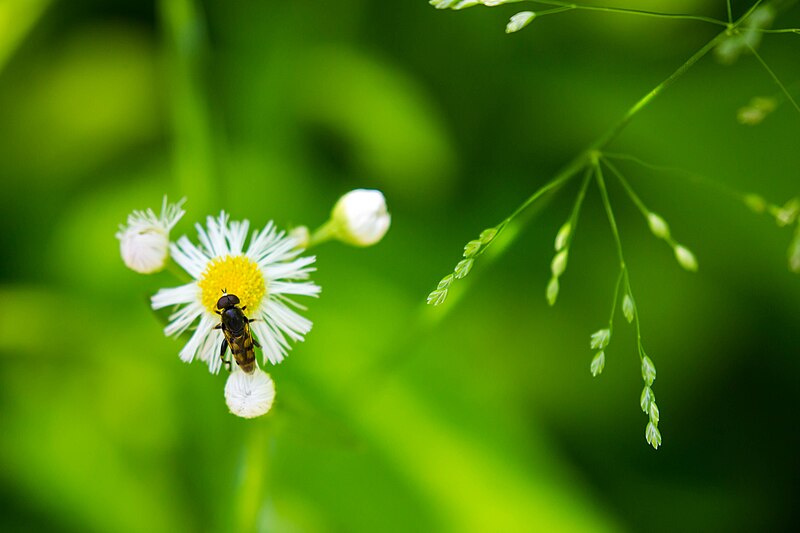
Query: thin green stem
[(774, 77), (614, 301), (617, 128), (778, 30), (562, 177), (626, 11), (730, 13), (628, 189), (576, 209), (635, 198), (699, 178), (322, 234), (612, 222), (554, 11)]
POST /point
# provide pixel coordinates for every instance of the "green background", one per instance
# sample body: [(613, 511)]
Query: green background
[(479, 415)]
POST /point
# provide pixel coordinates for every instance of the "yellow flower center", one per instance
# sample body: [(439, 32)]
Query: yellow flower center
[(236, 275)]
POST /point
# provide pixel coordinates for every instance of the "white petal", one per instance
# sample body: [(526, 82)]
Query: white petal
[(273, 344), (183, 294), (180, 320), (249, 395), (190, 258), (297, 269), (236, 233), (306, 288), (286, 320)]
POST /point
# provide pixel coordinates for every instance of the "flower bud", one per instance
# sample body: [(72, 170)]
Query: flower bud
[(628, 308), (658, 226), (598, 363), (653, 435), (600, 339), (552, 291), (563, 236), (648, 370), (559, 264), (249, 395), (519, 21), (647, 397), (144, 241), (685, 258), (360, 217)]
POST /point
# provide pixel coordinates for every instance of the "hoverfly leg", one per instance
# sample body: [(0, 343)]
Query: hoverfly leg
[(255, 342), (218, 326), (222, 349)]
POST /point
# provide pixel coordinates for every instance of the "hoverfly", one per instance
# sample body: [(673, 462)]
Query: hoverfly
[(236, 327)]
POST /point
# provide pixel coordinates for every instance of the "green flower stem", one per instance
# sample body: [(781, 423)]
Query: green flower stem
[(540, 14), (615, 300), (186, 51), (697, 178), (780, 30), (576, 209), (249, 494), (612, 222), (656, 14), (730, 12), (775, 78), (322, 234), (562, 177), (635, 197)]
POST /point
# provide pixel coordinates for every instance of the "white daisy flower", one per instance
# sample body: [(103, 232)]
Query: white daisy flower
[(144, 241), (264, 277), (249, 395)]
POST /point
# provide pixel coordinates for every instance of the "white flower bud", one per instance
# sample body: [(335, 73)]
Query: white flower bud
[(519, 21), (144, 241), (360, 217), (559, 264), (249, 395), (658, 226), (600, 339), (685, 258), (562, 236)]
